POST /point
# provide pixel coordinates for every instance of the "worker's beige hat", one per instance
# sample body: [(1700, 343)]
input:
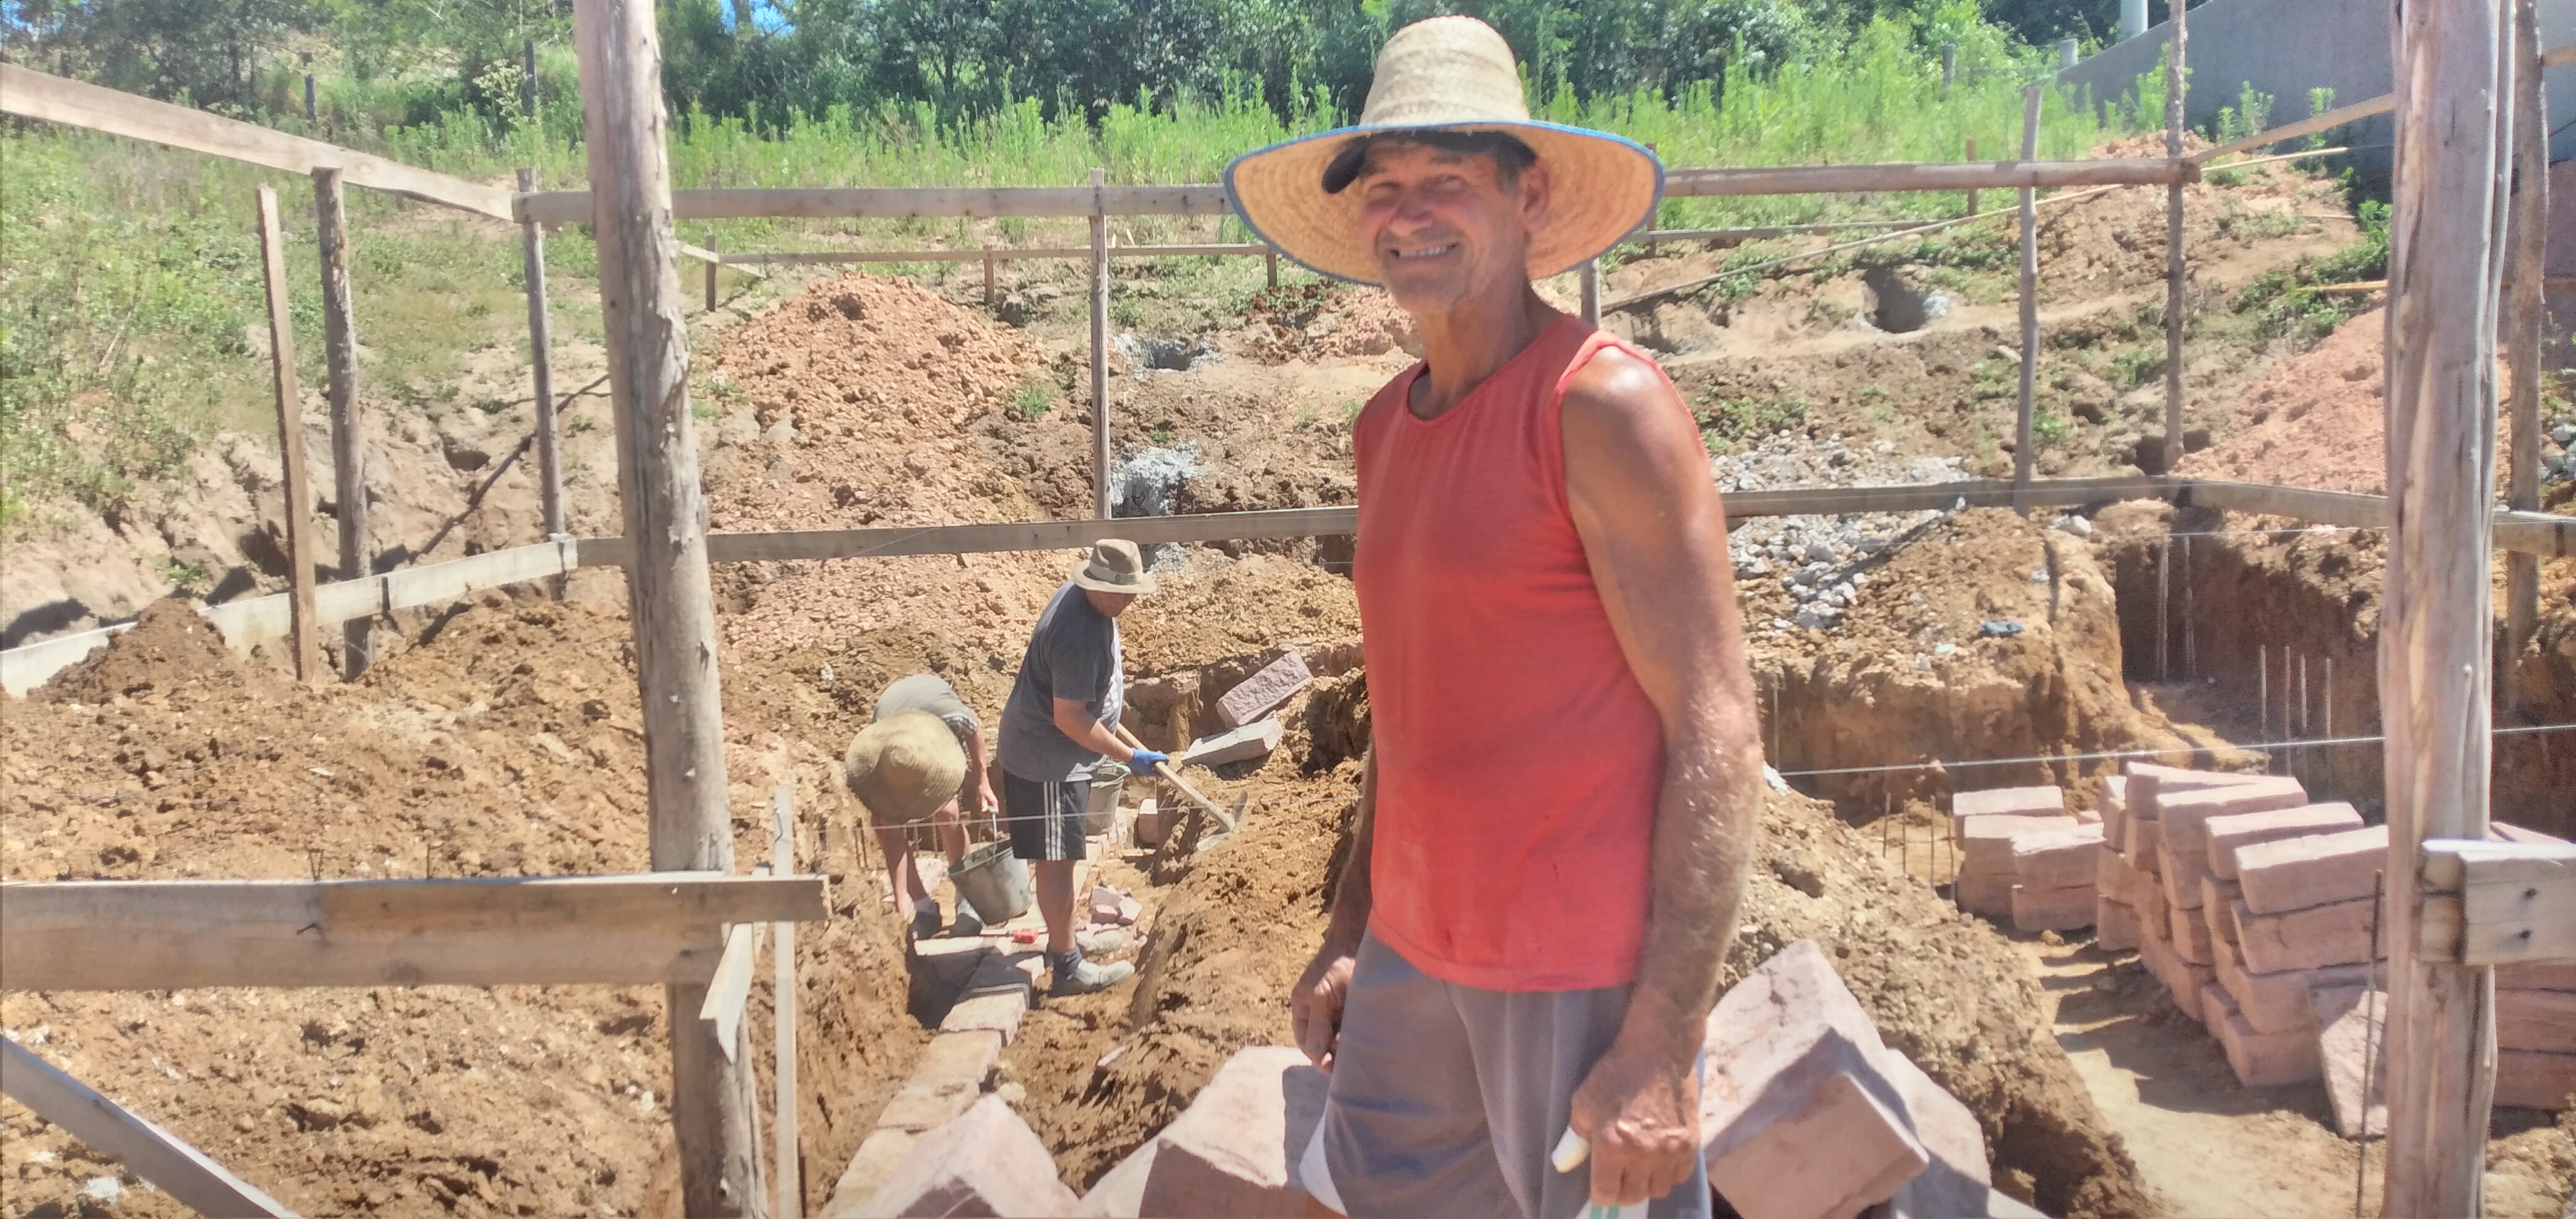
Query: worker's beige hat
[(904, 767), (1115, 566), (1447, 74)]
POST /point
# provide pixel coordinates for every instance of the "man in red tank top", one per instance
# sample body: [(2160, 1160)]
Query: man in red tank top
[(1565, 772)]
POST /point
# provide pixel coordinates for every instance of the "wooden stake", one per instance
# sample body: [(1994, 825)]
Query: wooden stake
[(1970, 155), (667, 594), (2174, 84), (532, 256), (1099, 350), (290, 445), (783, 1000), (348, 455), (2454, 76), (988, 281), (2523, 308), (2023, 436), (711, 274), (1270, 266), (1587, 280)]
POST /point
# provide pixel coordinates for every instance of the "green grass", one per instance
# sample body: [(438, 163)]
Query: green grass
[(1726, 424)]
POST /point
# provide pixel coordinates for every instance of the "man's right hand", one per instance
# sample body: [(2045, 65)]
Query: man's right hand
[(1315, 1003), (1143, 761)]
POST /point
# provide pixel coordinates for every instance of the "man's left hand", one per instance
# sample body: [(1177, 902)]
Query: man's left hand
[(986, 803), (1640, 1108)]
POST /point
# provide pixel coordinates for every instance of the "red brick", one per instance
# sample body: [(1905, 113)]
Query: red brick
[(1120, 1192), (2261, 1060), (1234, 1151), (2155, 915), (1945, 1126), (1798, 1119), (1986, 843), (2542, 1020), (2180, 874), (1263, 690), (2533, 1080), (948, 1078), (2058, 859), (2115, 925), (2149, 782), (2008, 802), (2227, 835), (2335, 934), (2112, 802), (1990, 896), (2280, 1002), (2343, 1054), (2183, 814), (985, 1162), (2139, 838), (2217, 903), (2191, 936), (2059, 909), (2296, 873)]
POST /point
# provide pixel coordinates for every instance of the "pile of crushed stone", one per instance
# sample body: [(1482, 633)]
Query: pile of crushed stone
[(1818, 560)]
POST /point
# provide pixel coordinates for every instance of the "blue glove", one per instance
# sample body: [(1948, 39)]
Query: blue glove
[(1143, 761)]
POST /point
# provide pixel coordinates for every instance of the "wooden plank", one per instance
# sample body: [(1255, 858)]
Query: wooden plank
[(24, 668), (676, 899), (2452, 865), (996, 254), (188, 1175), (348, 455), (2528, 231), (2025, 443), (670, 603), (2177, 84), (532, 264), (1931, 175), (440, 583), (72, 103), (783, 1001), (304, 632), (2491, 903), (1100, 403), (881, 202), (730, 989), (2444, 266)]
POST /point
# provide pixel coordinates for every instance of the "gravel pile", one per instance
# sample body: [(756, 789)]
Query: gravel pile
[(1822, 560)]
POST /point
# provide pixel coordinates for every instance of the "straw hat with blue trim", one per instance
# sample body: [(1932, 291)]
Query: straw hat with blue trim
[(1444, 74)]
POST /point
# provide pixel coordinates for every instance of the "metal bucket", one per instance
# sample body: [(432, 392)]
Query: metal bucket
[(994, 881), (1106, 781)]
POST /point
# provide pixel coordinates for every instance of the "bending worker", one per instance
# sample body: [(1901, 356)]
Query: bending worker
[(1056, 727), (925, 692), (1564, 775), (904, 769)]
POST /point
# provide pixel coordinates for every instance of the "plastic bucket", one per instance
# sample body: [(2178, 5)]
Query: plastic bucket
[(994, 881), (1097, 815)]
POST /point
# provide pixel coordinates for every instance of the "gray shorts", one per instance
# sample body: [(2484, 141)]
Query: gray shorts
[(1446, 1099)]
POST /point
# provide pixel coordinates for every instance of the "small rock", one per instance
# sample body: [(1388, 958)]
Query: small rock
[(2001, 628), (102, 1190), (2564, 434), (1798, 871), (1944, 649), (1810, 618), (2039, 575), (2077, 525)]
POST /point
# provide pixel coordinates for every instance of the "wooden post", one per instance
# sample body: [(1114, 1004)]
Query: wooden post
[(1587, 280), (2454, 79), (2023, 435), (290, 445), (1099, 349), (1654, 249), (1270, 265), (1971, 155), (2178, 44), (783, 1000), (2522, 316), (348, 456), (712, 247), (532, 256), (667, 595), (988, 280)]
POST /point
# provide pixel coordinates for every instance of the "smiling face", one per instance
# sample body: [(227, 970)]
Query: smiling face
[(1446, 226)]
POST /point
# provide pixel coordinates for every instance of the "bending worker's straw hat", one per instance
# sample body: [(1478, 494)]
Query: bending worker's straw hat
[(904, 767), (1447, 74), (1115, 566)]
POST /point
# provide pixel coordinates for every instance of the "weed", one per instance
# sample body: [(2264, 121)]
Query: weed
[(1731, 421), (2049, 426), (187, 579), (2136, 366), (704, 411), (1163, 435), (1031, 400)]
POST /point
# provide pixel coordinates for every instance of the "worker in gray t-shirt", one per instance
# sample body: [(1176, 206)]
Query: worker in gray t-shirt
[(926, 692), (1058, 725)]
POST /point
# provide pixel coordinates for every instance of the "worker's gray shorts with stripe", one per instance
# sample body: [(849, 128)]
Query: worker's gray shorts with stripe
[(1045, 819), (1446, 1099)]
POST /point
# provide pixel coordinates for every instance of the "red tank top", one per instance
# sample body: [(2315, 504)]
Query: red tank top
[(1518, 760)]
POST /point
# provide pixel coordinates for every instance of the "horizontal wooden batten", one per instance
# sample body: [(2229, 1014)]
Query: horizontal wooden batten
[(997, 254), (2496, 903), (1935, 175), (556, 930), (37, 95), (901, 202)]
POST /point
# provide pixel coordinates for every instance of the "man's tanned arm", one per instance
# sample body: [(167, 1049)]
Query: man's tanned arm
[(1654, 533)]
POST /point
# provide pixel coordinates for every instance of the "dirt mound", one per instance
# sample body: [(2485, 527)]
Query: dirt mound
[(172, 648), (2317, 421), (1323, 321), (1224, 609), (1982, 636), (507, 744), (861, 390)]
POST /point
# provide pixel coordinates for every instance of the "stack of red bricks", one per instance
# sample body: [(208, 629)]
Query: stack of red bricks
[(2023, 859)]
